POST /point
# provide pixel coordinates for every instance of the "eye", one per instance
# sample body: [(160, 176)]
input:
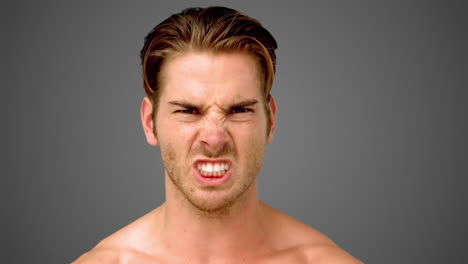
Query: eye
[(187, 111), (237, 110)]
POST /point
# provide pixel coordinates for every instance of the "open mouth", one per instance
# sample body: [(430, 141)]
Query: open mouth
[(213, 172), (212, 169)]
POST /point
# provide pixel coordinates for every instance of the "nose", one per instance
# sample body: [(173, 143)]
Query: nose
[(214, 138)]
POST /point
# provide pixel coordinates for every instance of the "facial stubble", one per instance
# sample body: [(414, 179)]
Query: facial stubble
[(243, 180)]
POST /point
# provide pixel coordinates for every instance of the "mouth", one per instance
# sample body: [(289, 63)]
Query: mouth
[(212, 172), (212, 169)]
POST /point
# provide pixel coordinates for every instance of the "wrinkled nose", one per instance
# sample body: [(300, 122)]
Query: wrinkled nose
[(214, 139)]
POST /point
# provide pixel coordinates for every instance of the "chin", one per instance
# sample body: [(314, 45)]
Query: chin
[(217, 202), (212, 202)]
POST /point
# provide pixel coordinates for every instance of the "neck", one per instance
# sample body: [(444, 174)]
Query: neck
[(237, 230)]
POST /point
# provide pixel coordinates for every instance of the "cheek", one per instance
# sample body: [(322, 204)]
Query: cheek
[(176, 143), (168, 154), (252, 153), (175, 133), (253, 131), (185, 132), (250, 139), (169, 157)]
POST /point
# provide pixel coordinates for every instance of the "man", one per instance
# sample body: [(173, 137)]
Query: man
[(207, 75)]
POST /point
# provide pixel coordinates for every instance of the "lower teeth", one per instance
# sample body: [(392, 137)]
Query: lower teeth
[(217, 174)]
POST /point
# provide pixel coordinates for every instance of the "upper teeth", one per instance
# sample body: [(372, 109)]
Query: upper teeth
[(212, 168)]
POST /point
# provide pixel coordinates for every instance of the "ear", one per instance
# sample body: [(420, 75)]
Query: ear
[(272, 117), (148, 122)]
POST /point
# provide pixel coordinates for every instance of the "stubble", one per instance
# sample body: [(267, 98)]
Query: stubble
[(225, 204)]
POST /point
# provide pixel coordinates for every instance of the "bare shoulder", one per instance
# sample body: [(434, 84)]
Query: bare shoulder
[(99, 255), (327, 255), (129, 243), (304, 244), (294, 232), (316, 254)]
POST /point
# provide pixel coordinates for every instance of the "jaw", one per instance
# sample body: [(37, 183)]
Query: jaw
[(210, 202)]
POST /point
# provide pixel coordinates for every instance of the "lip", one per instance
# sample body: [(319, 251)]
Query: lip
[(212, 180)]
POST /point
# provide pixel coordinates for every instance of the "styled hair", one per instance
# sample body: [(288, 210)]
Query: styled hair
[(213, 29)]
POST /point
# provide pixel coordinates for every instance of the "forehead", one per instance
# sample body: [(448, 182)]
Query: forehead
[(222, 77)]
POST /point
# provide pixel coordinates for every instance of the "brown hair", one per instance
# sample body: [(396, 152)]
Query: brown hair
[(212, 29)]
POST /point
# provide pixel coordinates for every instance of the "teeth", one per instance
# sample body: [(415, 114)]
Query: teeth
[(212, 169)]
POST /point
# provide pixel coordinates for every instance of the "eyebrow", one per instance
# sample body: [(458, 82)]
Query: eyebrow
[(188, 105), (184, 104), (245, 103)]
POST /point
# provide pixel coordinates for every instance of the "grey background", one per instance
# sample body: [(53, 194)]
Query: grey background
[(370, 147)]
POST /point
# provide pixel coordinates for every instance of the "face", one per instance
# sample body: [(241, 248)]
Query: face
[(211, 126)]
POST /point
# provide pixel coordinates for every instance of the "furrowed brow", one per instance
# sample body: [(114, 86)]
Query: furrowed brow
[(184, 104), (189, 105), (244, 103)]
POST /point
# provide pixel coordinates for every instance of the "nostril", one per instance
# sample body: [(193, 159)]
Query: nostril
[(214, 142), (214, 137)]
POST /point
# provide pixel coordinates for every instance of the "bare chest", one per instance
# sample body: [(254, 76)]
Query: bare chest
[(281, 257)]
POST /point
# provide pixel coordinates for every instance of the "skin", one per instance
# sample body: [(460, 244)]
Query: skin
[(213, 224)]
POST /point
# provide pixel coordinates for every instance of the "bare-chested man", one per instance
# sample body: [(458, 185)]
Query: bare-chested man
[(207, 75)]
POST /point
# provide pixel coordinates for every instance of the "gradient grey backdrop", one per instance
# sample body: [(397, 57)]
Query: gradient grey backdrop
[(370, 147)]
